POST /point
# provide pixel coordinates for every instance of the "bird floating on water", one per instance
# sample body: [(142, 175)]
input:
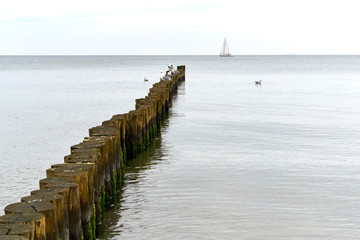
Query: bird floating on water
[(258, 82), (145, 79)]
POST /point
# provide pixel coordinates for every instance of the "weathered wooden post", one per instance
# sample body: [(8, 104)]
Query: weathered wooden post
[(35, 220), (73, 201), (43, 207), (24, 230)]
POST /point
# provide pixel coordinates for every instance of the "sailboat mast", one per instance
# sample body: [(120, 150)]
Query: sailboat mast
[(226, 50), (223, 48)]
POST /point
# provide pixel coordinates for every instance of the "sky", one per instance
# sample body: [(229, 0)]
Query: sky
[(186, 27)]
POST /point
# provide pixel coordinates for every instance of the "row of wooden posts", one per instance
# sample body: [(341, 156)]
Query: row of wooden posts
[(71, 201)]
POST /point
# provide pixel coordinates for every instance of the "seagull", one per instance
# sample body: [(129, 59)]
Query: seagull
[(258, 82), (145, 79), (164, 78), (172, 69)]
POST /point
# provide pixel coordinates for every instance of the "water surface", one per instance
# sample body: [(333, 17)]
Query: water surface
[(234, 160)]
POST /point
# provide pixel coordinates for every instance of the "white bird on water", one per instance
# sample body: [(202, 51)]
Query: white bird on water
[(164, 78)]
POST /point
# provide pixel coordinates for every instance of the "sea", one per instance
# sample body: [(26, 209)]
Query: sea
[(234, 160)]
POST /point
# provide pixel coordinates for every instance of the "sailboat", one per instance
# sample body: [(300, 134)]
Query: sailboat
[(225, 50)]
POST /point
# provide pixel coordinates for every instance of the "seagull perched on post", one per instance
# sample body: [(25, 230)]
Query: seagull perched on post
[(172, 69), (164, 78)]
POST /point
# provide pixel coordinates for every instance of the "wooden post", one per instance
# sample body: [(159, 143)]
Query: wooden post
[(36, 220), (58, 202), (43, 207), (73, 196), (24, 230)]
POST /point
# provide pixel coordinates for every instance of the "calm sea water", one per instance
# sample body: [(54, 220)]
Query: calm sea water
[(234, 160)]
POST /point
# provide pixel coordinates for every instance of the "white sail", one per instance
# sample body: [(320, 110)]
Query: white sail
[(225, 50)]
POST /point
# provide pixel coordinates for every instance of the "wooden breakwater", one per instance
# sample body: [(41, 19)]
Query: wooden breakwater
[(70, 202)]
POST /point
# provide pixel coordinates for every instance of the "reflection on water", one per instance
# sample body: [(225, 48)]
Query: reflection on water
[(131, 195), (123, 216)]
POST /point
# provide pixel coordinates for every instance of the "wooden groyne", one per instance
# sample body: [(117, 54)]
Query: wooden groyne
[(71, 201)]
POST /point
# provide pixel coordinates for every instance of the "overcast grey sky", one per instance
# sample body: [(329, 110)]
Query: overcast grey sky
[(186, 27)]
